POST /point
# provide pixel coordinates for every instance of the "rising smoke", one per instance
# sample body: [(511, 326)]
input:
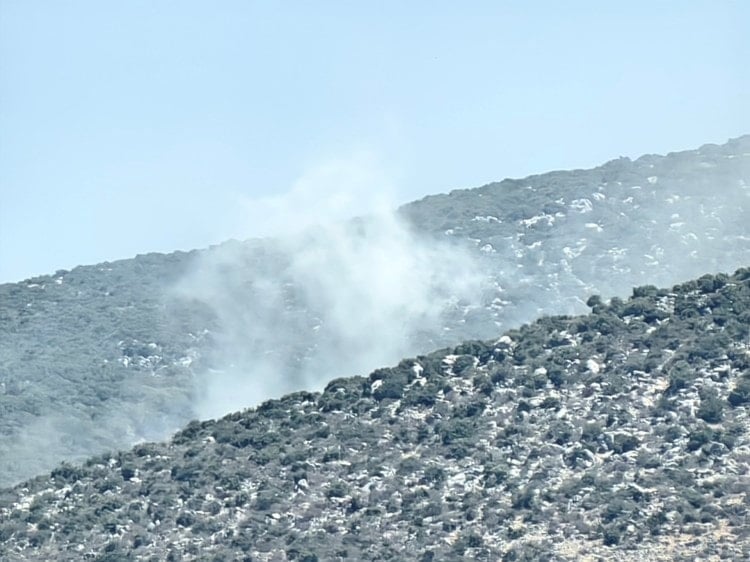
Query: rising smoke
[(326, 297)]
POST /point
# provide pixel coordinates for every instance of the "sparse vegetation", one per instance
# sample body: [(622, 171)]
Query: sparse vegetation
[(598, 434), (300, 474)]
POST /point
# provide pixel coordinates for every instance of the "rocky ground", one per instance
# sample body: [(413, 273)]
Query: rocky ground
[(618, 435), (104, 356)]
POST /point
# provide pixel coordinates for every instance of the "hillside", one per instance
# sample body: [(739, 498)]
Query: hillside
[(621, 435), (104, 356)]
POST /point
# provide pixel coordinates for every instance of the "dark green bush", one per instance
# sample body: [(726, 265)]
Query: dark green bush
[(711, 408), (740, 395)]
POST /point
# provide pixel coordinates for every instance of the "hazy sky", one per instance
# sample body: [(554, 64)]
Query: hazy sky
[(129, 127)]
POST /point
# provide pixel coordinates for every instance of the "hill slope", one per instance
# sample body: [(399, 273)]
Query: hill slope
[(622, 434), (103, 356)]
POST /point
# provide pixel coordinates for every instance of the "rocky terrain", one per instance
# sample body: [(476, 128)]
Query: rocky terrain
[(105, 356), (621, 434)]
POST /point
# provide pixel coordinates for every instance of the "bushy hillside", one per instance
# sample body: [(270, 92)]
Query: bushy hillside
[(655, 220), (621, 435), (104, 356), (91, 359)]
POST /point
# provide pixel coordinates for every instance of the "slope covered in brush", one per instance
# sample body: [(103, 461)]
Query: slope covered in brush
[(621, 434), (103, 356)]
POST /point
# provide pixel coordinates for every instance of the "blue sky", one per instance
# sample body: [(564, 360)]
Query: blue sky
[(129, 127)]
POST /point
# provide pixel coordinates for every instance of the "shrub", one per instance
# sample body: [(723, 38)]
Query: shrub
[(392, 387), (612, 535), (741, 393), (337, 490), (523, 499), (433, 474), (264, 501), (681, 375), (624, 443), (500, 373), (645, 291), (711, 409), (67, 473), (185, 519), (469, 409), (477, 349), (455, 429), (420, 396), (699, 437)]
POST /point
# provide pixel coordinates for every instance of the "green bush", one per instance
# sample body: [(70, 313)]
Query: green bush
[(699, 437), (337, 490), (624, 443), (711, 408), (454, 430), (740, 395)]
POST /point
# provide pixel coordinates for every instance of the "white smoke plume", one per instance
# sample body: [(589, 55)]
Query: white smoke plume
[(336, 298)]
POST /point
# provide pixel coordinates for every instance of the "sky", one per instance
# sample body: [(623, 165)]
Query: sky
[(131, 127)]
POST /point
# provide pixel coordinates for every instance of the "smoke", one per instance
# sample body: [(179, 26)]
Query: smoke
[(333, 190), (326, 297)]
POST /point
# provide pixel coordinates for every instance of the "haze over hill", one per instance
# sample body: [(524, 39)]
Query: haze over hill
[(617, 435), (463, 265), (104, 356), (332, 300)]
